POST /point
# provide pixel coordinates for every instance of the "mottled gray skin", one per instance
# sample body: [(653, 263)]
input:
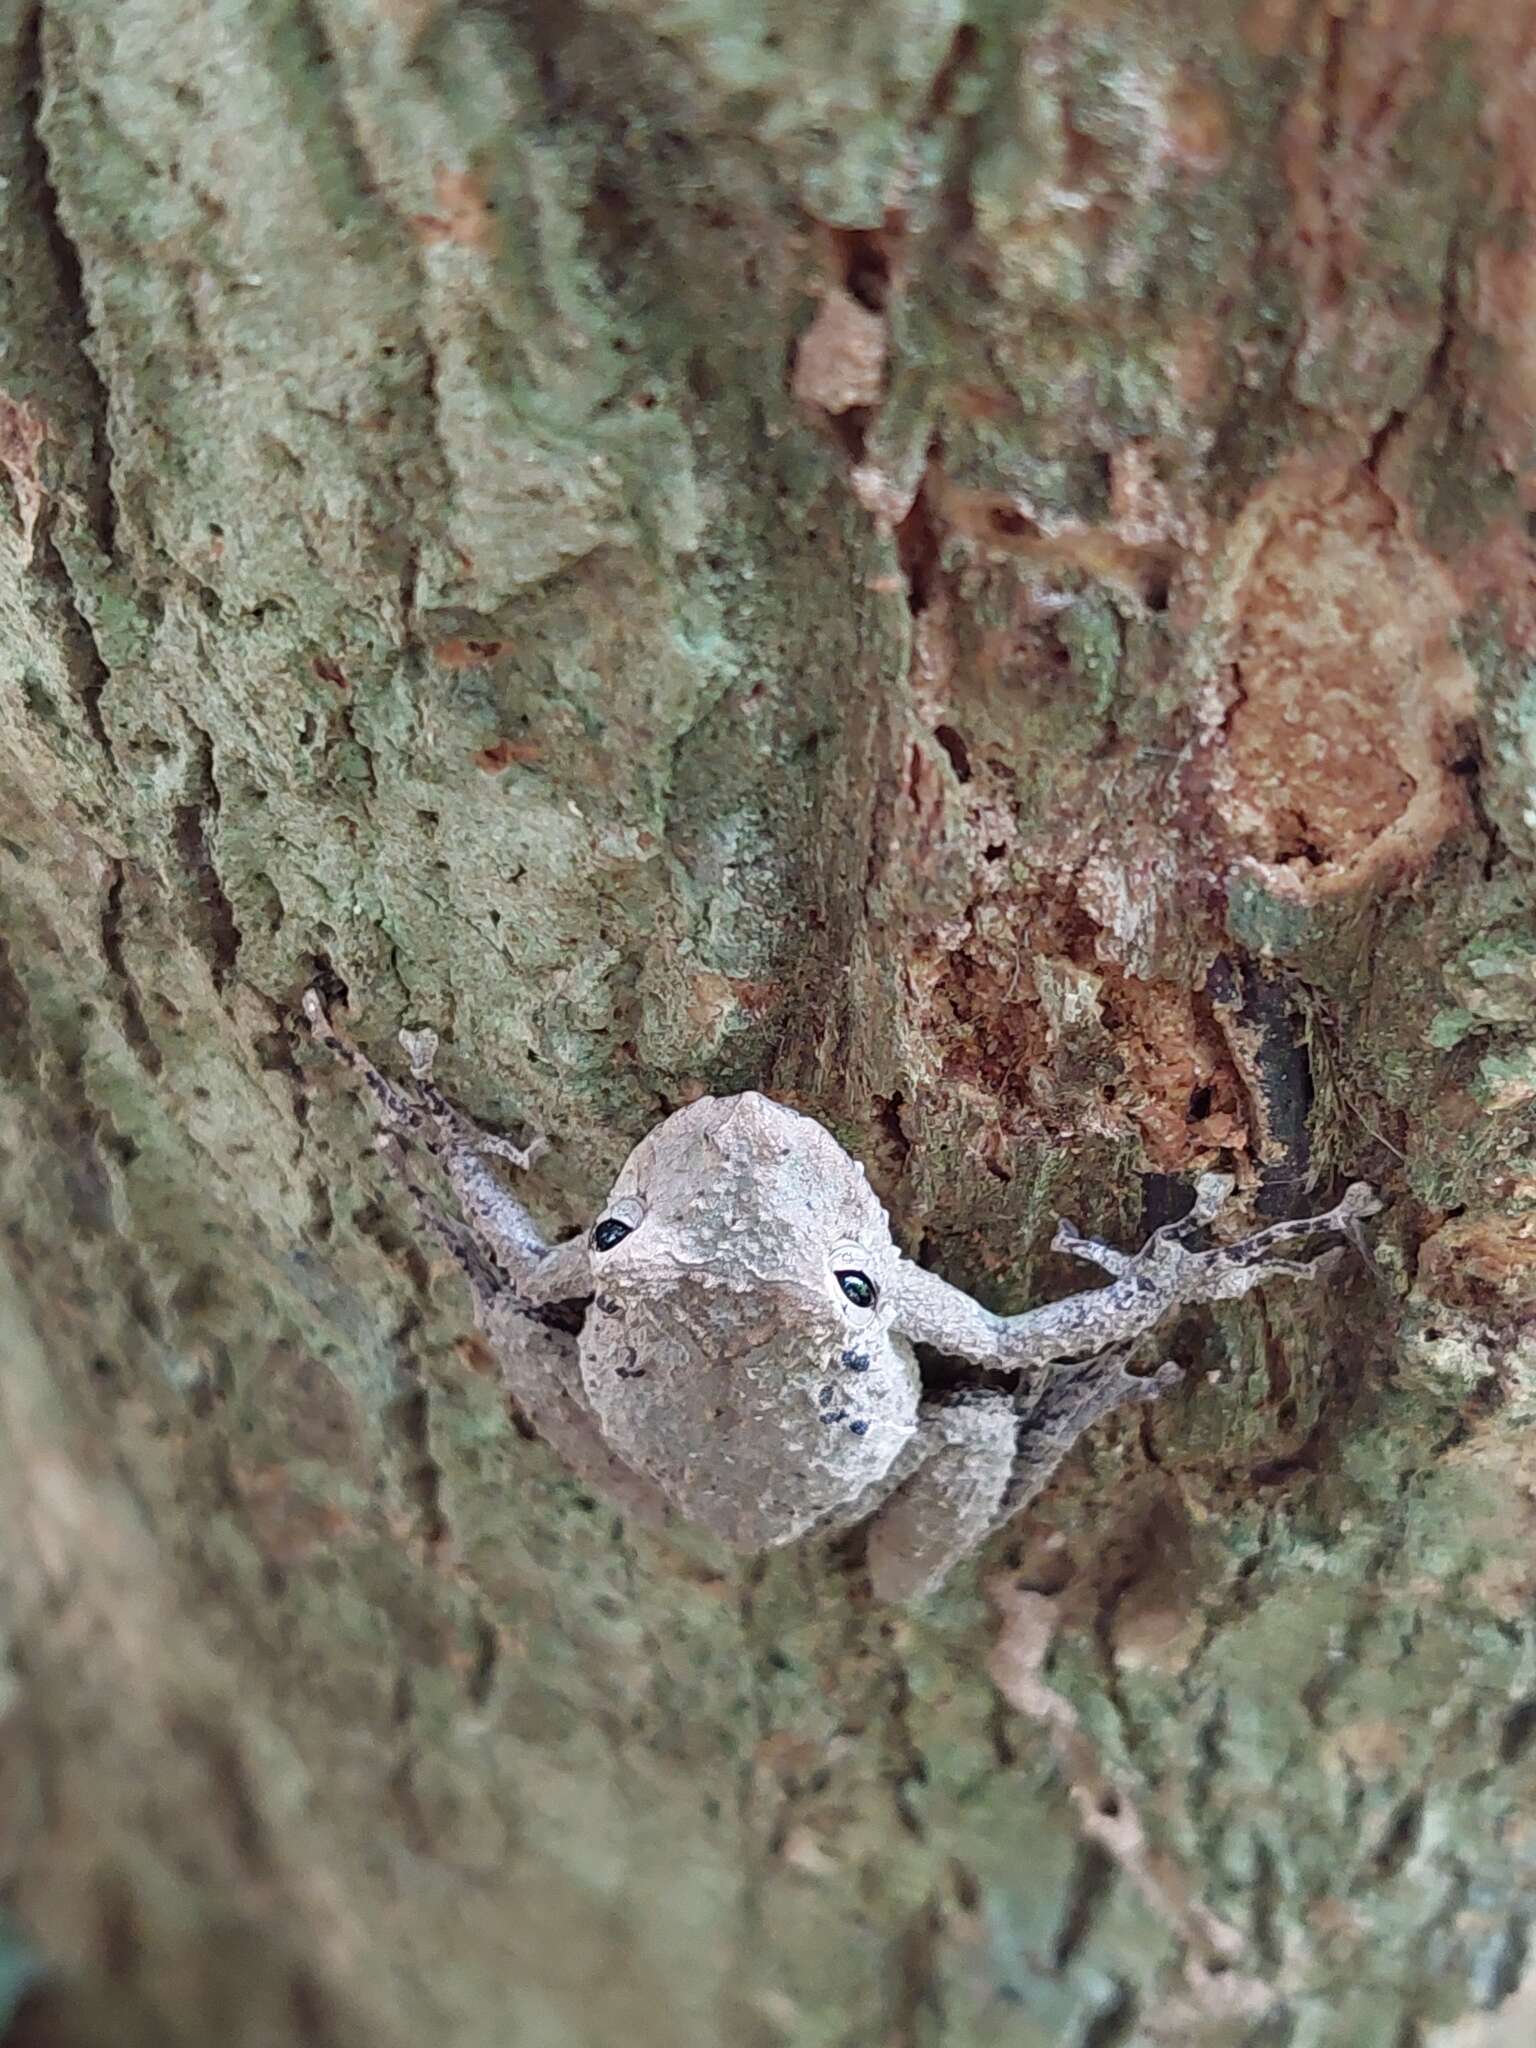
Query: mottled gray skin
[(720, 1356), (710, 1361)]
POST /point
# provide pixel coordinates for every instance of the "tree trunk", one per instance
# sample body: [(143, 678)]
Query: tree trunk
[(970, 567)]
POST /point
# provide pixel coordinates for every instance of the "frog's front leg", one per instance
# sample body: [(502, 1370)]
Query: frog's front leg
[(495, 1220), (1145, 1286), (513, 1275), (536, 1351)]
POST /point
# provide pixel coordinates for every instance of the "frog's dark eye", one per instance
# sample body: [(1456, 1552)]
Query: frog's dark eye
[(609, 1232), (859, 1288)]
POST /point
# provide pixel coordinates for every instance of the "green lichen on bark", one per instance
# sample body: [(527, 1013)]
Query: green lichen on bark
[(425, 556)]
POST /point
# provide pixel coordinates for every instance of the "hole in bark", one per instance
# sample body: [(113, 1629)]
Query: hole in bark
[(308, 2005), (1013, 525), (1519, 1727), (1114, 2025), (868, 277), (1402, 1837), (333, 990), (958, 752), (1509, 1973), (1091, 1882), (962, 53), (117, 1930)]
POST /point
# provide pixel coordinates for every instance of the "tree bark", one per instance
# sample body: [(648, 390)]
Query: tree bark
[(970, 567)]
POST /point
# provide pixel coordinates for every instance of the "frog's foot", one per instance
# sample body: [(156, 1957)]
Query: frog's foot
[(425, 1117), (1167, 1272)]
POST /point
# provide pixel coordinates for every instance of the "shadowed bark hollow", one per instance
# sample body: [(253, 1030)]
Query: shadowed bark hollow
[(966, 565)]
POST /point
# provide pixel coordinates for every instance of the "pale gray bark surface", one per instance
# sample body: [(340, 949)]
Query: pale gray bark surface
[(968, 567)]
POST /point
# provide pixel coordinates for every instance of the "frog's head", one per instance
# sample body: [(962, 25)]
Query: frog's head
[(751, 1193)]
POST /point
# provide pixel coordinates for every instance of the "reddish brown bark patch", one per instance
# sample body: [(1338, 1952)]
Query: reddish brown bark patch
[(1065, 1043), (465, 211), (1481, 1262), (503, 753), (459, 653), (22, 433), (1333, 767), (1183, 1092), (1128, 560), (840, 363)]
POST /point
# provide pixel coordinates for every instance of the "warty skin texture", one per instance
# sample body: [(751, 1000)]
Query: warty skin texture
[(734, 1338)]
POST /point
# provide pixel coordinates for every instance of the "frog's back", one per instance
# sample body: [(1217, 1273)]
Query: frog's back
[(721, 1355)]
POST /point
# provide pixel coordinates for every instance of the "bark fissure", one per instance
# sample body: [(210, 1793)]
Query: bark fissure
[(222, 937), (135, 1026), (68, 275), (422, 1475)]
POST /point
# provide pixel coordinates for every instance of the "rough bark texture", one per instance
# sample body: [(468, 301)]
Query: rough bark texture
[(969, 565)]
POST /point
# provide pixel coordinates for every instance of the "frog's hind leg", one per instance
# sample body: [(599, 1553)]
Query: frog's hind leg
[(950, 1486), (979, 1457)]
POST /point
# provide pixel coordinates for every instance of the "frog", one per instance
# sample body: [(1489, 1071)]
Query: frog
[(738, 1340)]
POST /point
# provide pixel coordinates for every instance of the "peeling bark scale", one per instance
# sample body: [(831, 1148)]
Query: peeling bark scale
[(969, 566)]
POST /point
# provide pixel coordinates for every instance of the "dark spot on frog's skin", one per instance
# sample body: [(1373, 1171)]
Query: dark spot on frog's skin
[(857, 1428), (854, 1361), (836, 1415), (630, 1372), (605, 1305), (825, 1397), (553, 1315)]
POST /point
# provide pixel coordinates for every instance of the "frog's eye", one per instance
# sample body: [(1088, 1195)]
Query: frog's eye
[(858, 1287), (611, 1231)]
